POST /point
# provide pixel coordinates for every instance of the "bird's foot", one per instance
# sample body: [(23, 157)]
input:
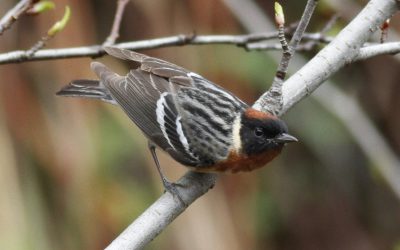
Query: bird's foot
[(171, 188)]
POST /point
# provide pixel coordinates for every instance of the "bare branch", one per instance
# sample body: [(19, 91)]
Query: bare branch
[(341, 51), (280, 21), (294, 42), (121, 4), (96, 50), (378, 49), (301, 28), (55, 29), (315, 38), (248, 42), (309, 45), (12, 15), (159, 215), (273, 99)]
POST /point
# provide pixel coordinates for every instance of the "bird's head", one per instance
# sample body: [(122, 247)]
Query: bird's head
[(261, 131)]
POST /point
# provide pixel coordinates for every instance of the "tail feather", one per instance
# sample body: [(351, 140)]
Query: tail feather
[(87, 89)]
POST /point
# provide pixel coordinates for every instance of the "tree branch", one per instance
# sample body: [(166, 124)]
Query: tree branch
[(96, 50), (121, 4), (378, 49), (12, 15), (309, 45), (305, 19), (342, 50), (388, 161), (163, 211), (54, 30), (273, 99), (249, 42)]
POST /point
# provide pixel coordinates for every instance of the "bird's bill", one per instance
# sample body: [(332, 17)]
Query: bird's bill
[(285, 138)]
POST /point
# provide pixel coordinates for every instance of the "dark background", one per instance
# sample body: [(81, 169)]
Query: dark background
[(74, 173)]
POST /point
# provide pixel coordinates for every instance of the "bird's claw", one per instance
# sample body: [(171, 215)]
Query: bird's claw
[(171, 188)]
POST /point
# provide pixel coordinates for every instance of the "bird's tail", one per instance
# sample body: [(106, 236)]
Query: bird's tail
[(87, 89)]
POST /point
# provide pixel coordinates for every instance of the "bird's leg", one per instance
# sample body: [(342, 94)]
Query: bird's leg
[(169, 186)]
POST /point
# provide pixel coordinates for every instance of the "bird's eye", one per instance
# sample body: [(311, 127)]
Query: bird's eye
[(258, 132)]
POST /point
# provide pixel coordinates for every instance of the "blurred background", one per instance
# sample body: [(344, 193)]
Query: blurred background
[(74, 173)]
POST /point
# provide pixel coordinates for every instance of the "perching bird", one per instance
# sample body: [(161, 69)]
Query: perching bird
[(195, 121)]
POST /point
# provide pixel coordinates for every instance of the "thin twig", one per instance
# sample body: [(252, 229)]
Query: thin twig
[(274, 99), (12, 15), (311, 44), (280, 21), (37, 46), (275, 92), (249, 42), (316, 38), (54, 30), (114, 34), (391, 48), (305, 19), (96, 50), (350, 39)]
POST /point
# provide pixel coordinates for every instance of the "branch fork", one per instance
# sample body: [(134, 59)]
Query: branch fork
[(273, 100)]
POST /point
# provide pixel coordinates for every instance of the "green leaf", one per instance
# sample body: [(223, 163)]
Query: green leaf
[(42, 6), (58, 26)]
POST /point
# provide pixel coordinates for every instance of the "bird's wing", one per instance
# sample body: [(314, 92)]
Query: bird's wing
[(180, 111), (176, 75), (151, 107)]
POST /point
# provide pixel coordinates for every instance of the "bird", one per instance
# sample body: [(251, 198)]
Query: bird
[(198, 123)]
